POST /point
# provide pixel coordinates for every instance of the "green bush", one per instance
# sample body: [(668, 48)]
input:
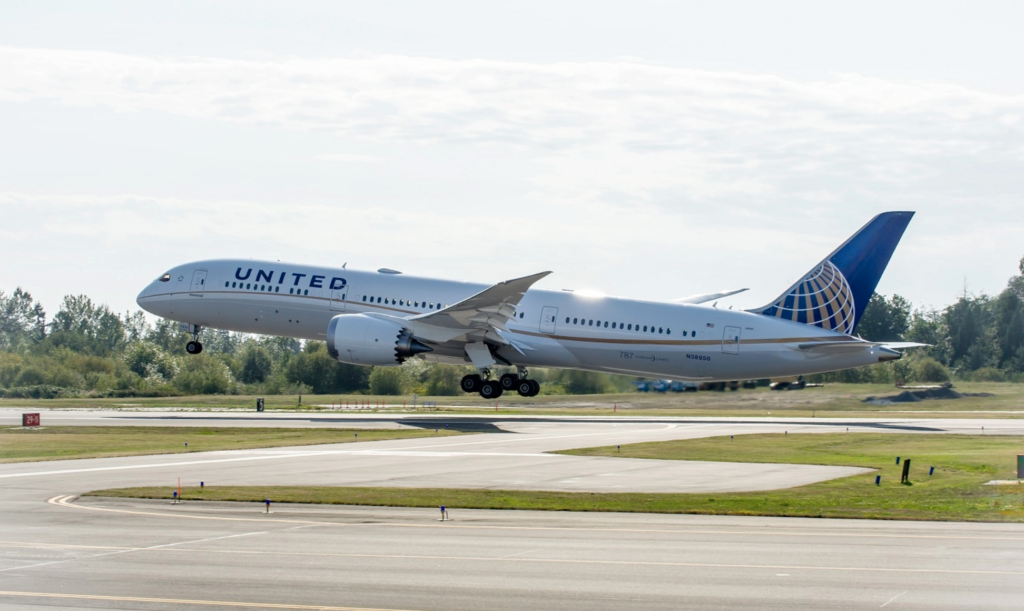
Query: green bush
[(988, 374), (203, 374), (443, 381), (39, 391), (928, 369), (387, 381)]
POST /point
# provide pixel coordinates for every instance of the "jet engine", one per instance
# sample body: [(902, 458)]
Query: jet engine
[(359, 339)]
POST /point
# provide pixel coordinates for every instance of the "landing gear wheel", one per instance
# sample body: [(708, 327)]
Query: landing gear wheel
[(525, 388), (490, 389), (535, 388), (193, 347), (509, 381), (471, 383)]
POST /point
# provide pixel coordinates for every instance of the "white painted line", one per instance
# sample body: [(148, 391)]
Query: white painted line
[(891, 599)]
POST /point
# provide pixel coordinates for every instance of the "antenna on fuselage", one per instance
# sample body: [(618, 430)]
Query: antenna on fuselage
[(344, 264)]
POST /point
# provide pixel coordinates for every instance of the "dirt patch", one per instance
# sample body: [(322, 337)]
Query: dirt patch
[(915, 396)]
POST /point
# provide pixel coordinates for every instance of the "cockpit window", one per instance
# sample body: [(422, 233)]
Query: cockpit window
[(165, 278)]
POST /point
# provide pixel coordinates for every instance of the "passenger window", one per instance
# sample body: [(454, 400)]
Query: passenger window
[(630, 328), (305, 292), (522, 315), (613, 325), (402, 302), (165, 278), (247, 286), (606, 324), (232, 285), (645, 328), (591, 323), (575, 321), (668, 331), (277, 289), (226, 284), (660, 331)]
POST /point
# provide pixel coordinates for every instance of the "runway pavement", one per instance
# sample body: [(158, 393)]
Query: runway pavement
[(63, 552)]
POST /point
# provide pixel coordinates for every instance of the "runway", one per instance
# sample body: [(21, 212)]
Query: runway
[(89, 553)]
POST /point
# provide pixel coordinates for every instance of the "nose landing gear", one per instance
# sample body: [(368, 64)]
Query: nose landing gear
[(194, 346)]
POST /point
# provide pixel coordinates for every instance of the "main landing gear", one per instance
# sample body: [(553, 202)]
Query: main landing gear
[(492, 389), (194, 347)]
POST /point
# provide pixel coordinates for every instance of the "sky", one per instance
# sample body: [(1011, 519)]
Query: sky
[(646, 149)]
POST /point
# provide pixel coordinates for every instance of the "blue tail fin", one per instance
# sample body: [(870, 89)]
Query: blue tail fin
[(834, 294)]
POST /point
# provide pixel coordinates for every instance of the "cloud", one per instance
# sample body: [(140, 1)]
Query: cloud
[(611, 127), (628, 163), (348, 158)]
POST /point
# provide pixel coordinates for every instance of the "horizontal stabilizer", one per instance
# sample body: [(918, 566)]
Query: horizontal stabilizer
[(855, 346)]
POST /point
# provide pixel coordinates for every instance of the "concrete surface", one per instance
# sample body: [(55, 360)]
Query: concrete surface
[(62, 552)]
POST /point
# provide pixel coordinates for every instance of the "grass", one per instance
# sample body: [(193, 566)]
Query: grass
[(955, 492), (69, 442), (834, 400)]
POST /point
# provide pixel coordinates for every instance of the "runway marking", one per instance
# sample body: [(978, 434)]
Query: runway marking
[(648, 563), (127, 550), (181, 601), (886, 603), (305, 454), (67, 501)]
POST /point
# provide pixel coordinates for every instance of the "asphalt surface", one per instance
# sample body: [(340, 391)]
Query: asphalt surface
[(59, 551)]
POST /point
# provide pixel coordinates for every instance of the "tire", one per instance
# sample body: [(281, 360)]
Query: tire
[(509, 381), (536, 388), (490, 389), (193, 347), (470, 383), (525, 388)]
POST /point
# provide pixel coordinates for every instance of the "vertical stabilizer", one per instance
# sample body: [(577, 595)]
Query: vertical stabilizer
[(834, 294)]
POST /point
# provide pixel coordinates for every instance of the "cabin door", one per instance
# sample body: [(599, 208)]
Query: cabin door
[(548, 318), (198, 283), (338, 299), (731, 340)]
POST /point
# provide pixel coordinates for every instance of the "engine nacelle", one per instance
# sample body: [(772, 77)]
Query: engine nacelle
[(359, 339)]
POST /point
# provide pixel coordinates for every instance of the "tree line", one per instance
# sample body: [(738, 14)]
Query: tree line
[(86, 349)]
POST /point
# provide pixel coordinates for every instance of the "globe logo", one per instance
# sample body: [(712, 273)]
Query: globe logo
[(823, 298)]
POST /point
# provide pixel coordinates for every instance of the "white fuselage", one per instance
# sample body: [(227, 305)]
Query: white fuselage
[(557, 328)]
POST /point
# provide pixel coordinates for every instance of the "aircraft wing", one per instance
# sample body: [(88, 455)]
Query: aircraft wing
[(474, 322), (491, 307), (695, 299)]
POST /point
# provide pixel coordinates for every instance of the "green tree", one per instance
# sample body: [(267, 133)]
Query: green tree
[(22, 322), (168, 337), (147, 361), (255, 365), (885, 320), (1009, 320), (387, 381), (968, 322), (84, 327), (443, 381), (203, 374), (316, 369)]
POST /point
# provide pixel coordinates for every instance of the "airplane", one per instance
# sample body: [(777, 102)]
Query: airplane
[(382, 318)]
